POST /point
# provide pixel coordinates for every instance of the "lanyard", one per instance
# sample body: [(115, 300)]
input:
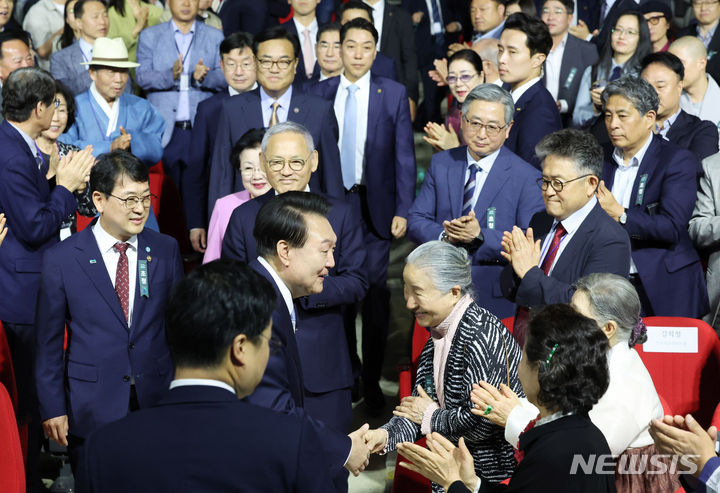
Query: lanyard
[(184, 55)]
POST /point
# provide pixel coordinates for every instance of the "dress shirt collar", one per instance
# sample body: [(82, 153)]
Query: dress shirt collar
[(485, 163), (637, 158), (233, 92), (208, 382), (668, 123), (85, 49), (106, 241), (492, 33), (363, 83), (313, 27), (31, 143), (574, 220), (284, 100), (177, 30), (517, 93), (551, 418), (709, 36), (284, 290), (561, 45)]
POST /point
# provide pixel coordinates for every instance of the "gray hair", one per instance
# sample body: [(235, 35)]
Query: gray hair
[(493, 94), (447, 265), (582, 148), (288, 126), (612, 298), (637, 90)]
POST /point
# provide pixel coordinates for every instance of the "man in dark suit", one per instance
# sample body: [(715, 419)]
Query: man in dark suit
[(524, 44), (665, 72), (108, 285), (378, 167), (14, 54), (327, 50), (576, 237), (649, 187), (304, 25), (219, 330), (238, 65), (707, 18), (246, 16), (500, 189), (321, 341), (568, 58), (35, 214), (275, 101)]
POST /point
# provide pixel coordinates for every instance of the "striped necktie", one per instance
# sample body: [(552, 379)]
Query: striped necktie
[(470, 189)]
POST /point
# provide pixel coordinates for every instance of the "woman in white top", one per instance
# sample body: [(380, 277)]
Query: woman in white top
[(624, 412)]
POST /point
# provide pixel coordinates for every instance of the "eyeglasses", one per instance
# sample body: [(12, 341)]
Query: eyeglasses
[(557, 11), (296, 164), (231, 66), (654, 19), (274, 343), (252, 171), (282, 64), (621, 32), (464, 78), (556, 183), (491, 129), (704, 3), (132, 201)]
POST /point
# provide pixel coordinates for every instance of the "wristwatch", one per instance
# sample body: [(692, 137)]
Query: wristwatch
[(475, 243), (623, 217)]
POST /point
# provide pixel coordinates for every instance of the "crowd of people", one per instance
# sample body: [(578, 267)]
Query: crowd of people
[(572, 188)]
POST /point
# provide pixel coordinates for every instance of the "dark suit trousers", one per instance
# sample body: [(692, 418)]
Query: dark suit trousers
[(175, 154), (432, 94), (376, 307)]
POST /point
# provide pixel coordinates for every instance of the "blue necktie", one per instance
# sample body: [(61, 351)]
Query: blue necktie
[(615, 73), (349, 136), (469, 189), (435, 11)]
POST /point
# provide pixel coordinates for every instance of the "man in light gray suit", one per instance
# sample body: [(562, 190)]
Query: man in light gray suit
[(179, 67)]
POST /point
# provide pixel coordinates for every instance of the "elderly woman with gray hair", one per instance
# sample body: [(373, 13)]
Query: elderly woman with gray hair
[(468, 344)]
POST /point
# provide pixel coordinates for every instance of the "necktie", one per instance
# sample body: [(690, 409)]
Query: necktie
[(469, 189), (349, 137), (308, 53), (435, 11), (553, 249), (274, 116), (615, 73), (122, 281), (603, 12)]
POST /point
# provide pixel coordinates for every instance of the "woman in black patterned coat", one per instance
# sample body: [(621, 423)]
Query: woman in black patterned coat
[(468, 344)]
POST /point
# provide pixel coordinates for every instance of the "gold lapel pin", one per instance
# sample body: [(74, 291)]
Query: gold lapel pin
[(296, 110), (149, 258), (379, 90)]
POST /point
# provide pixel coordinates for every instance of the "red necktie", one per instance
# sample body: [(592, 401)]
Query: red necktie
[(122, 282), (554, 247)]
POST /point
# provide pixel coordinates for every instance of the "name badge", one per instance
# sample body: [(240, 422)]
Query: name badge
[(671, 340), (491, 218), (570, 78), (641, 189), (429, 385), (185, 82), (143, 278)]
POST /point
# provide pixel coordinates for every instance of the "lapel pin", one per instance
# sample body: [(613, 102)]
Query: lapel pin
[(379, 90), (93, 261), (147, 249), (149, 258), (296, 110)]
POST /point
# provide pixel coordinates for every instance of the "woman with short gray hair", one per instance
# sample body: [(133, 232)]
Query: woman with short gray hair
[(467, 344)]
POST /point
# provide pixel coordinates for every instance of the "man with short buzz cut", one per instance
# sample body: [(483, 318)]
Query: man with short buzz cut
[(523, 47), (664, 71), (14, 54), (220, 333), (571, 238), (471, 194), (649, 187), (705, 29), (237, 63)]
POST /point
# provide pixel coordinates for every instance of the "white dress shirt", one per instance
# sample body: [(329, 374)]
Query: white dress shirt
[(571, 224), (486, 164), (266, 103), (553, 64), (362, 96), (378, 17), (436, 27), (282, 287), (517, 93), (208, 382), (233, 92), (313, 27), (112, 112), (110, 257)]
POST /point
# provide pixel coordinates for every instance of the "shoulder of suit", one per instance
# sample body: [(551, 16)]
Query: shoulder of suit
[(154, 237)]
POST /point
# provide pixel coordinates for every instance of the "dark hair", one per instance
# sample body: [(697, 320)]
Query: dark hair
[(11, 35), (657, 6), (214, 304), (526, 6), (469, 56), (23, 90), (283, 218), (277, 32), (638, 91), (568, 4), (666, 59), (118, 5), (330, 26), (238, 40), (61, 88), (570, 351), (249, 140), (538, 36), (111, 165), (354, 5), (631, 67), (79, 8), (582, 148), (68, 35), (358, 23)]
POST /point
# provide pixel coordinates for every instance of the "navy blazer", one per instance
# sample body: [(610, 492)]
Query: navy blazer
[(510, 192), (91, 381), (242, 112), (390, 170), (34, 215), (243, 15), (397, 43), (281, 388), (694, 134), (657, 224), (423, 39), (599, 245), (320, 336), (536, 115), (578, 55), (195, 177), (225, 445)]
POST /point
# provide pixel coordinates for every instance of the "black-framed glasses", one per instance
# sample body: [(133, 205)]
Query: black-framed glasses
[(464, 78), (132, 201), (491, 129), (654, 19), (296, 164), (282, 63), (274, 343), (556, 183)]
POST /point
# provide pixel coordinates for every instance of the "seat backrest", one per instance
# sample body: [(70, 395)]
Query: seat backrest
[(12, 470), (686, 381), (7, 373), (509, 322)]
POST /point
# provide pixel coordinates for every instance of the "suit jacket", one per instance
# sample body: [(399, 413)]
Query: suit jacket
[(91, 381), (423, 39), (578, 55), (510, 195), (243, 15), (389, 168), (300, 74), (713, 63), (320, 334), (599, 245), (279, 453), (396, 42), (157, 53), (536, 115), (137, 116), (65, 67), (383, 66), (281, 388), (657, 224), (34, 215), (694, 134), (243, 112)]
